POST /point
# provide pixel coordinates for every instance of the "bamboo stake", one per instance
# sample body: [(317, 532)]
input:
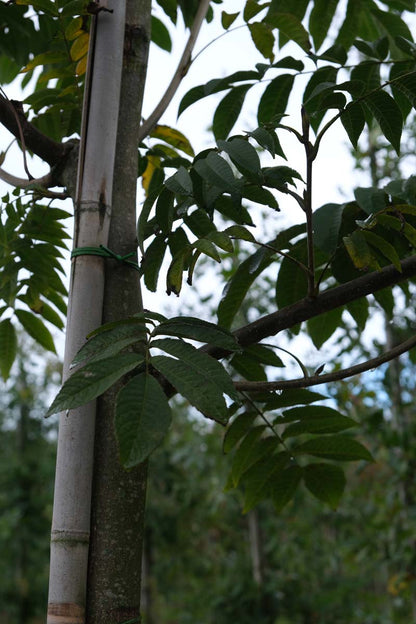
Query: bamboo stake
[(72, 502)]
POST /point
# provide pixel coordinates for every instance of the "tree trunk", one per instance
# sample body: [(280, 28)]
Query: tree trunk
[(71, 513), (118, 500)]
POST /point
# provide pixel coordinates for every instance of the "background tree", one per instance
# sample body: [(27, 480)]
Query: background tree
[(28, 449), (339, 255)]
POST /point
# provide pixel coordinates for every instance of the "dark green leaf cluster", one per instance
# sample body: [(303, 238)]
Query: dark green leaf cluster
[(218, 181), (31, 287), (142, 412), (271, 450)]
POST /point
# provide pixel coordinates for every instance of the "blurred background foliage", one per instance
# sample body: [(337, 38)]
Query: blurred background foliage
[(204, 560)]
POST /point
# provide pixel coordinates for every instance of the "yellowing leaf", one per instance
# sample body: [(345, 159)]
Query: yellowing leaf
[(81, 67), (173, 137), (46, 58), (74, 29), (153, 163), (80, 46)]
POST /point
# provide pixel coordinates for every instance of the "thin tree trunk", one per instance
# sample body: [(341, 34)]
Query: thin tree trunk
[(71, 513), (118, 495)]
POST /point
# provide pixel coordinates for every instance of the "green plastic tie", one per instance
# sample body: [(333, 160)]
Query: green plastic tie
[(104, 252)]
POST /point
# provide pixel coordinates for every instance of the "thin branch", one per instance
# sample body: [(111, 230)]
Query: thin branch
[(48, 150), (21, 135), (308, 308), (304, 382), (181, 71), (45, 181)]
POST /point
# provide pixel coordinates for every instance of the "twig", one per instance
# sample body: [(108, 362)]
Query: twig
[(304, 382), (181, 71), (21, 135), (46, 180)]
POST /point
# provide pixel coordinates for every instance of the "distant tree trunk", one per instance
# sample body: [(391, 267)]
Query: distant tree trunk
[(255, 547), (24, 486)]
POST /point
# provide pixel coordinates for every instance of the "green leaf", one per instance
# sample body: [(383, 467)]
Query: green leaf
[(274, 100), (288, 62), (326, 482), (197, 329), (205, 246), (336, 447), (384, 247), (264, 354), (228, 111), (320, 20), (251, 9), (359, 312), (152, 262), (248, 367), (323, 326), (160, 34), (259, 479), (336, 54), (326, 226), (217, 172), (263, 38), (195, 384), (175, 271), (292, 283), (279, 177), (238, 428), (291, 397), (388, 115), (180, 182), (285, 485), (290, 26), (92, 380), (202, 363), (227, 19), (111, 341), (371, 199), (36, 329), (359, 251), (314, 419), (142, 419), (243, 155), (238, 286), (353, 120), (8, 347), (240, 232), (251, 450)]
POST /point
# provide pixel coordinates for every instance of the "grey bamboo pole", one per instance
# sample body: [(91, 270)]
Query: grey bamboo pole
[(72, 502)]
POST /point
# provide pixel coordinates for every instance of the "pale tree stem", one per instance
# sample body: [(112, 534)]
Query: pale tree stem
[(73, 480)]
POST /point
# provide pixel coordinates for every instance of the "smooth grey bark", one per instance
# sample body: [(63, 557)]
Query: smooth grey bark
[(118, 500), (72, 499)]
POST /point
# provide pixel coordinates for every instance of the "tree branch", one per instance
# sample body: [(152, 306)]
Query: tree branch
[(48, 150), (305, 382), (181, 71), (306, 309), (45, 181)]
